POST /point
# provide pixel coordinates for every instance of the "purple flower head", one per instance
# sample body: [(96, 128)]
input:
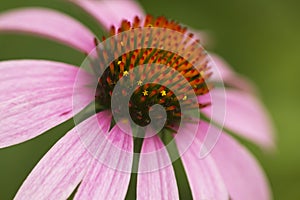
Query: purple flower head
[(147, 95)]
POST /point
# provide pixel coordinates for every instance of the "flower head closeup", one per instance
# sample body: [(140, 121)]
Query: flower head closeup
[(155, 114)]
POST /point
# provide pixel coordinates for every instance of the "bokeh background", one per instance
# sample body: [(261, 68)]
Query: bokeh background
[(259, 38)]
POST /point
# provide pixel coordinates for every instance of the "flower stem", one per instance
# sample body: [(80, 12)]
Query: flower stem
[(137, 147)]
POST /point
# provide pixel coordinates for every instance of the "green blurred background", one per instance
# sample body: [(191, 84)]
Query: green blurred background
[(259, 38)]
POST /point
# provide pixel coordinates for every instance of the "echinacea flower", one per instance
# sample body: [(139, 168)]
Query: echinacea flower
[(97, 155)]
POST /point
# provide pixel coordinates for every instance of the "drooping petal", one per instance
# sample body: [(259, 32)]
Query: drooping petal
[(246, 116), (241, 173), (227, 75), (111, 12), (64, 166), (59, 171), (105, 178), (203, 36), (49, 24), (156, 182), (35, 96), (203, 175)]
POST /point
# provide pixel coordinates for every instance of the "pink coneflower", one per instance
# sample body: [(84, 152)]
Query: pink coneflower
[(98, 155)]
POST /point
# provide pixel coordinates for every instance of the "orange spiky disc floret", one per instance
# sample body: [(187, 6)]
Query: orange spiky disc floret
[(140, 45), (149, 21)]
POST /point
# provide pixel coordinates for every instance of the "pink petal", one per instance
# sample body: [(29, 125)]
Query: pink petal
[(159, 183), (111, 12), (35, 96), (65, 165), (246, 116), (49, 24), (103, 183), (205, 37), (106, 146), (59, 171), (203, 174), (103, 180), (241, 173), (223, 72)]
